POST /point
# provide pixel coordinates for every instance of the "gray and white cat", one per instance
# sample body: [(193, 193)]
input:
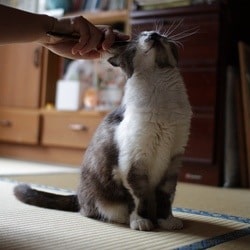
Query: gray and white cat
[(130, 168)]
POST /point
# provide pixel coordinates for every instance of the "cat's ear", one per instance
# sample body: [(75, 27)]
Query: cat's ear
[(115, 61)]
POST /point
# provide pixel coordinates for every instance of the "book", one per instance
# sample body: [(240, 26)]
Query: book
[(160, 4)]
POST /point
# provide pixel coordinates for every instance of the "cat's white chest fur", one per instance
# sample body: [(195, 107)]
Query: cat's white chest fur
[(155, 126)]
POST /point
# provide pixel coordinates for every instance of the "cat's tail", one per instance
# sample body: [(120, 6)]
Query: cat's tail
[(34, 197)]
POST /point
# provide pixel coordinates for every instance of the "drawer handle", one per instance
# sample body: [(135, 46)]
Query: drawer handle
[(78, 127), (5, 123), (37, 57), (195, 177)]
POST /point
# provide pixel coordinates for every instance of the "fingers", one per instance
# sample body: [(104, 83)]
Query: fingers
[(90, 36), (93, 39), (64, 49), (121, 36), (110, 36), (100, 37)]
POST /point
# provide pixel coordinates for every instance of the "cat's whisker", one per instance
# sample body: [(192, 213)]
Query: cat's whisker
[(175, 28), (186, 31), (165, 33), (177, 43), (159, 26), (168, 31), (181, 37), (184, 34)]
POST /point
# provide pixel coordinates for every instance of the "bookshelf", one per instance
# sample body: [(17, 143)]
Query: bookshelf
[(105, 17), (110, 17)]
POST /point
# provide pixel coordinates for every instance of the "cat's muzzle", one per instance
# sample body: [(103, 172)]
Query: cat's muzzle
[(153, 37)]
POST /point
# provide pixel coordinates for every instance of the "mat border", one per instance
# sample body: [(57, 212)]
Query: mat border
[(219, 239)]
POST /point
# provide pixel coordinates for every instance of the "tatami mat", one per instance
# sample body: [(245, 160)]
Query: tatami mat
[(212, 199), (17, 167), (31, 228)]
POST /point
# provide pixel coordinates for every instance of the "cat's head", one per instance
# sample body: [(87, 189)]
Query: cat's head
[(149, 50)]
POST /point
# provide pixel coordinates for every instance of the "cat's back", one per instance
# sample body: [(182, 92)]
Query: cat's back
[(102, 152)]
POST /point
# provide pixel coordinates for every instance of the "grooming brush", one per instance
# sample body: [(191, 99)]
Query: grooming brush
[(76, 37)]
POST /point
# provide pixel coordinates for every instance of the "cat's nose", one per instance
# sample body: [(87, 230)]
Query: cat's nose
[(154, 36)]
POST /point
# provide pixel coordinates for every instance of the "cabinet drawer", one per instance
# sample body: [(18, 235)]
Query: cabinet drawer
[(201, 141), (200, 173), (201, 87), (19, 126), (69, 129)]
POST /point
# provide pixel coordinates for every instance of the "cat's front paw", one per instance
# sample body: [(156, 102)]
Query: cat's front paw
[(171, 223), (141, 224)]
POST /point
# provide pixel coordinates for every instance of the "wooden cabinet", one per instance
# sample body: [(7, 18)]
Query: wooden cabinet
[(20, 83), (28, 77), (202, 66), (20, 66), (25, 72)]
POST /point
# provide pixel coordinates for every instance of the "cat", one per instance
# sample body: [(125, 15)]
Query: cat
[(130, 169)]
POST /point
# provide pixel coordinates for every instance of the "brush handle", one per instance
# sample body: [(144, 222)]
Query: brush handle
[(74, 37)]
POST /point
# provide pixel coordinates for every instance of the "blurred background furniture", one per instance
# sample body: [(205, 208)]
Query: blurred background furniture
[(30, 127)]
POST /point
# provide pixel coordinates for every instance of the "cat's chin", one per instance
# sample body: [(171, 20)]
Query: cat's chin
[(116, 48), (105, 55)]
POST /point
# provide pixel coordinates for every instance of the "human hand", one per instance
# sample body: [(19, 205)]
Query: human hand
[(93, 40)]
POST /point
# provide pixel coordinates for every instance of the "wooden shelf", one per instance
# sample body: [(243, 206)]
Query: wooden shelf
[(105, 17)]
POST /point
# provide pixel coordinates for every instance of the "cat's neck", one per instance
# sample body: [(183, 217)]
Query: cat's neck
[(157, 73), (160, 93), (152, 84)]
